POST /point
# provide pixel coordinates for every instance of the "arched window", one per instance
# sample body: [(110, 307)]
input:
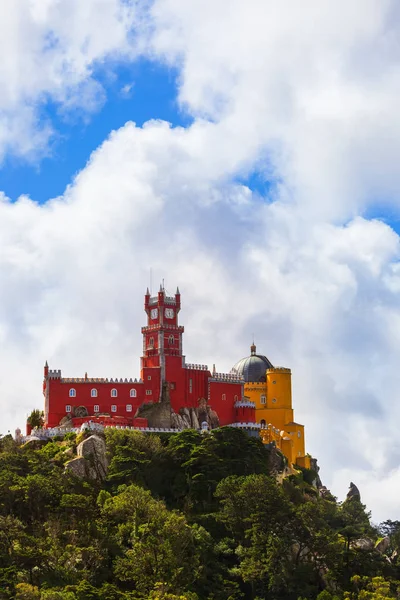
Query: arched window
[(223, 396), (93, 393), (114, 393), (171, 340), (132, 393), (72, 393), (236, 398), (299, 434), (262, 424), (151, 342), (263, 399)]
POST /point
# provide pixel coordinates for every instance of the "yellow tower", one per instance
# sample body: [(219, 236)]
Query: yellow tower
[(270, 388)]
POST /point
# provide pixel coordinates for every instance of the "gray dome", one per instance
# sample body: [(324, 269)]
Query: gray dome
[(253, 367)]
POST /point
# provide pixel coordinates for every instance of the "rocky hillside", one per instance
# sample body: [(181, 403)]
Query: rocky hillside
[(186, 516)]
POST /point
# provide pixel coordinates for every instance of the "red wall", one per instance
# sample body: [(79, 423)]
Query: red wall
[(59, 398), (224, 407)]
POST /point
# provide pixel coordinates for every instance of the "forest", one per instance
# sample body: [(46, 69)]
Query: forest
[(183, 517)]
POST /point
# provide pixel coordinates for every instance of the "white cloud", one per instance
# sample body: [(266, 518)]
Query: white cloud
[(308, 96), (50, 51)]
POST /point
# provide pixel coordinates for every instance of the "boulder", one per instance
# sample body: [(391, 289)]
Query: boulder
[(353, 493), (78, 467), (35, 443), (363, 544), (92, 459), (383, 545)]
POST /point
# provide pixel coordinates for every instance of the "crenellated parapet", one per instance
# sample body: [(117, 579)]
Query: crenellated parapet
[(279, 370), (245, 404), (226, 378), (54, 374), (147, 328), (99, 380), (196, 367)]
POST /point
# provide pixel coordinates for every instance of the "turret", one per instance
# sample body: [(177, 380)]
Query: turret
[(146, 300), (178, 300), (161, 295), (46, 370)]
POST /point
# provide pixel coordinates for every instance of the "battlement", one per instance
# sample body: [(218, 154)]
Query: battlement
[(196, 367), (279, 370), (227, 378), (99, 380), (155, 327), (54, 374), (167, 299), (245, 404), (255, 426)]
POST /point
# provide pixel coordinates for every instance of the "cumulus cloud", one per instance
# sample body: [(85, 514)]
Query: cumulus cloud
[(307, 98), (51, 52)]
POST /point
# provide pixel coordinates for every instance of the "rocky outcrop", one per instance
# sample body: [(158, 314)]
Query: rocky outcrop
[(66, 422), (35, 443), (92, 459), (276, 461), (161, 414), (383, 545), (363, 544), (158, 414), (78, 467), (315, 467), (353, 493)]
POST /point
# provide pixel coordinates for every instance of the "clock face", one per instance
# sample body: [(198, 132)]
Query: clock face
[(169, 313), (154, 313)]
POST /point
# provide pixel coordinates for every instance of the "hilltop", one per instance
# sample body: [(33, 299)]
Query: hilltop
[(187, 516)]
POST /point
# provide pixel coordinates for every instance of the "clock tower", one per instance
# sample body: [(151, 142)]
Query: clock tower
[(162, 336)]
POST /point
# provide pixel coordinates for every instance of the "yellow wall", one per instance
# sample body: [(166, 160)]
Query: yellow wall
[(279, 417), (279, 388), (296, 432), (273, 400)]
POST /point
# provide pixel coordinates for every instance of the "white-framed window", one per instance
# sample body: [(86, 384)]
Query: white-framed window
[(263, 399), (68, 408), (72, 393), (96, 408), (113, 408), (151, 342), (129, 408), (114, 393), (223, 396), (148, 392), (132, 393), (190, 386), (93, 393), (149, 377)]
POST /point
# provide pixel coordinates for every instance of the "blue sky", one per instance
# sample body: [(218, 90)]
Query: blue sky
[(137, 92)]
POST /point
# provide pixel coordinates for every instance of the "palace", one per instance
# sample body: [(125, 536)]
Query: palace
[(173, 394)]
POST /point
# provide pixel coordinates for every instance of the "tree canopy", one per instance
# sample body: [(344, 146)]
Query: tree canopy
[(182, 517)]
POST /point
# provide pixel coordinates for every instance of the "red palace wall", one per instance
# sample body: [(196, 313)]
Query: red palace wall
[(162, 360)]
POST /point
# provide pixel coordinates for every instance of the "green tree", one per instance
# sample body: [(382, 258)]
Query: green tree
[(36, 418)]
